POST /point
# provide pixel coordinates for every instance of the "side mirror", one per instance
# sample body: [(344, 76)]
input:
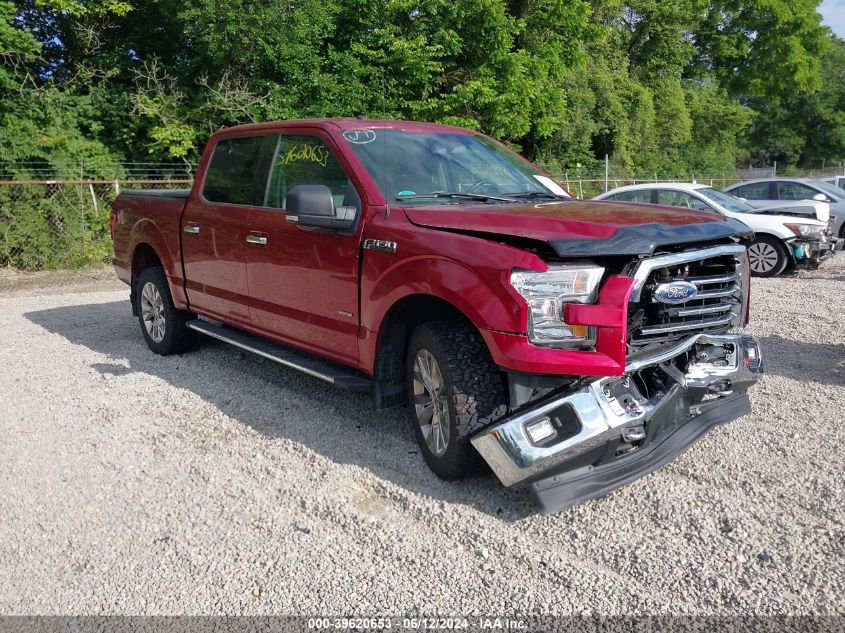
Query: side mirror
[(820, 197), (313, 205)]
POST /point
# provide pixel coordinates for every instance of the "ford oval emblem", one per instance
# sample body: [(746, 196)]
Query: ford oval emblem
[(675, 292)]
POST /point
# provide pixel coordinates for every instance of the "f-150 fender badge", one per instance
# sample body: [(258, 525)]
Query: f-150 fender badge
[(380, 245), (675, 292)]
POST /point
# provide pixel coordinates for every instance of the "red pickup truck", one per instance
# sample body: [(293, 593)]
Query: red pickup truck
[(572, 346)]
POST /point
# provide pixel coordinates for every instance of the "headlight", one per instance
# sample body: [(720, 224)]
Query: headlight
[(806, 230), (547, 292)]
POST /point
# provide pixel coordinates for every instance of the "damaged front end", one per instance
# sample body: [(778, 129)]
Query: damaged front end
[(683, 369), (607, 432)]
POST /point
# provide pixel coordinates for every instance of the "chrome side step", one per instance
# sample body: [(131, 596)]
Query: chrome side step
[(335, 374)]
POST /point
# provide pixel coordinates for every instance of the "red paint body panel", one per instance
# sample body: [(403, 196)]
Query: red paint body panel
[(138, 222), (215, 259), (300, 287), (517, 352)]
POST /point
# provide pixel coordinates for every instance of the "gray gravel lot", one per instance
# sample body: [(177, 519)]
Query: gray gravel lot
[(218, 482)]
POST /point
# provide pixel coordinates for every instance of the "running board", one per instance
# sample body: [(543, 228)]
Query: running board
[(324, 370)]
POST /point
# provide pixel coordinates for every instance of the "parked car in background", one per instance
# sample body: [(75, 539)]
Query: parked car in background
[(836, 181), (769, 192), (782, 238)]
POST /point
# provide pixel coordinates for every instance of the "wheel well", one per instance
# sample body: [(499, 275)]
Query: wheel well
[(395, 332), (144, 257)]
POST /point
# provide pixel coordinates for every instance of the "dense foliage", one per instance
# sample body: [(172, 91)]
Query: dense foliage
[(667, 86), (661, 86)]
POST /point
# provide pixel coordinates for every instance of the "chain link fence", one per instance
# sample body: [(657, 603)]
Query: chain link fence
[(57, 216), (48, 224)]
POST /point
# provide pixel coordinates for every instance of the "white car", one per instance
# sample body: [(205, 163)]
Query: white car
[(781, 237)]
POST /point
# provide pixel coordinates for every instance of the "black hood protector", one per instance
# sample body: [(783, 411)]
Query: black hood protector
[(644, 239)]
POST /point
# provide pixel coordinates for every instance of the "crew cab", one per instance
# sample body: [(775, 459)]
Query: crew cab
[(570, 346)]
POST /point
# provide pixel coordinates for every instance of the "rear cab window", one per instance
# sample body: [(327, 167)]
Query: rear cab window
[(237, 171)]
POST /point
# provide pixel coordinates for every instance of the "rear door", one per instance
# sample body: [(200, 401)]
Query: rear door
[(215, 226), (303, 282)]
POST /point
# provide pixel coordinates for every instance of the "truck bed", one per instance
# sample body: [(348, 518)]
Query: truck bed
[(152, 217)]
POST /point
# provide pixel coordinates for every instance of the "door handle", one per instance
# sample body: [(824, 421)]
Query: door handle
[(261, 240), (193, 229)]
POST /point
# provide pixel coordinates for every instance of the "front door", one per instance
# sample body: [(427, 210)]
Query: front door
[(303, 282), (215, 226)]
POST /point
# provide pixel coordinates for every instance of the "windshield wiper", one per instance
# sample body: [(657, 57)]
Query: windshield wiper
[(532, 195), (454, 194)]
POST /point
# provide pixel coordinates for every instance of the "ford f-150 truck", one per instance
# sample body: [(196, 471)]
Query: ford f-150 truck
[(571, 346)]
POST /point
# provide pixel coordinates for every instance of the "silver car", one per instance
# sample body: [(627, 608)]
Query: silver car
[(836, 181), (768, 192)]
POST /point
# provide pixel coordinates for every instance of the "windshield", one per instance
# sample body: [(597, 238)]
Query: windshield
[(831, 190), (407, 165), (729, 202)]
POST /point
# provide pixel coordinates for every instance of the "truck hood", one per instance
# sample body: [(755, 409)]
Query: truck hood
[(583, 229)]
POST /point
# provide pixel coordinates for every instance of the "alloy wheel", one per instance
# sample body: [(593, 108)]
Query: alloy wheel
[(152, 312), (431, 403)]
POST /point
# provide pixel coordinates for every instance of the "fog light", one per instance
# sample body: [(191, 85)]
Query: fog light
[(540, 430)]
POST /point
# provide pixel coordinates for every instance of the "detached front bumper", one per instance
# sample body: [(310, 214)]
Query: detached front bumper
[(811, 252), (610, 431)]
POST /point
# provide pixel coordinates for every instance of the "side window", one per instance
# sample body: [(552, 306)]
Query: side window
[(307, 160), (638, 195), (795, 191), (681, 199), (237, 172), (756, 191)]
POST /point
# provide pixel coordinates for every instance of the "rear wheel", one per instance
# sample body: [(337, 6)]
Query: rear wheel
[(767, 256), (454, 390), (163, 325)]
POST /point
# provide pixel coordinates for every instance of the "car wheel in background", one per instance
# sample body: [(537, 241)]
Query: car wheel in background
[(767, 256)]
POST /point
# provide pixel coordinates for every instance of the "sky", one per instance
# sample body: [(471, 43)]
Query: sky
[(834, 15)]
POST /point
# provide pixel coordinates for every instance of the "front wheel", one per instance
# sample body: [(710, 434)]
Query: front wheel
[(163, 325), (767, 256), (454, 390)]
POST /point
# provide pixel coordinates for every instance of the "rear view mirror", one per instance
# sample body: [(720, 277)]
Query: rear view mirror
[(820, 197), (313, 205)]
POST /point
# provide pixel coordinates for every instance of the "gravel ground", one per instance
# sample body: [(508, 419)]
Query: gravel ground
[(217, 482)]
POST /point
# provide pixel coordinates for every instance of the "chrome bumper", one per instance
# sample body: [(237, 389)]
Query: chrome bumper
[(613, 413)]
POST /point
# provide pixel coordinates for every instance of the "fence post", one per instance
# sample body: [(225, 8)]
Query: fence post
[(82, 206), (606, 169)]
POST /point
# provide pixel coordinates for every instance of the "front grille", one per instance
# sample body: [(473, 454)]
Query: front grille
[(715, 308)]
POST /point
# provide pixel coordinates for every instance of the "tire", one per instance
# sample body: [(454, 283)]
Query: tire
[(767, 256), (472, 394), (164, 327)]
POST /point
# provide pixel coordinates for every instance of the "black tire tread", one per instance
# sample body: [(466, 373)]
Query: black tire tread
[(178, 337), (476, 387)]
